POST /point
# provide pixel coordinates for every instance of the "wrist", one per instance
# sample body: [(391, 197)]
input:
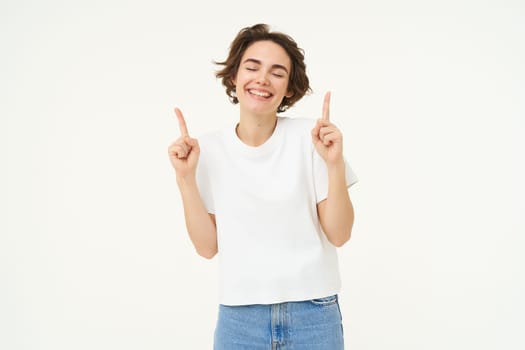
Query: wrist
[(336, 166), (185, 181)]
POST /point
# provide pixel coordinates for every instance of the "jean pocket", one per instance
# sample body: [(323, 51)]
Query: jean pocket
[(325, 301)]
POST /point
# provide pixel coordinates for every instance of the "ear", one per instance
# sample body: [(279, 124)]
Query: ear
[(289, 94)]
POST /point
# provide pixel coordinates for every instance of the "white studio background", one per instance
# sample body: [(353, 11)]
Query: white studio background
[(430, 98)]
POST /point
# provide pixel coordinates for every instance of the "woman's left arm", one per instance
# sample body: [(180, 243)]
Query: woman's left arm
[(336, 213)]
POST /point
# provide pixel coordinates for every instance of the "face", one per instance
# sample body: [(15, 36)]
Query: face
[(261, 82)]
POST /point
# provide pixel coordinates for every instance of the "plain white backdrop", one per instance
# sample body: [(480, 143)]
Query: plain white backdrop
[(429, 96)]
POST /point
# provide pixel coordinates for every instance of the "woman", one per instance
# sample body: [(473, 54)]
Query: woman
[(270, 196)]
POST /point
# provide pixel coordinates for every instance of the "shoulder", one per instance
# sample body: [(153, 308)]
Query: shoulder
[(298, 132), (211, 139)]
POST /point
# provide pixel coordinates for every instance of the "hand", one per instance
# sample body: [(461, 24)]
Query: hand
[(184, 152), (326, 137)]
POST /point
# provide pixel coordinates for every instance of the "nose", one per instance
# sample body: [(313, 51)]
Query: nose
[(262, 77)]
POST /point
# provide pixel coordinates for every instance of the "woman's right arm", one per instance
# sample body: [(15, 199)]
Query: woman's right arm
[(184, 155), (200, 224)]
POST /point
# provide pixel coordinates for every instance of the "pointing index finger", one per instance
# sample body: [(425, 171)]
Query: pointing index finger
[(182, 123), (326, 106)]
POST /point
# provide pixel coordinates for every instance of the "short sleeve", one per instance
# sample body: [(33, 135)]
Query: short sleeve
[(204, 185), (321, 177)]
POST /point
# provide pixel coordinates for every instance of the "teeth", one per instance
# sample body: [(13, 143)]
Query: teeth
[(259, 93)]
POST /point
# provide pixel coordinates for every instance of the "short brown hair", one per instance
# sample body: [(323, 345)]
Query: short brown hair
[(298, 83)]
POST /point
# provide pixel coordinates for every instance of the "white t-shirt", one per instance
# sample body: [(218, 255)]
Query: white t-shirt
[(271, 246)]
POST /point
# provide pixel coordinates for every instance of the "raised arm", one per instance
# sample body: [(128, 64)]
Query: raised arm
[(336, 213), (184, 156)]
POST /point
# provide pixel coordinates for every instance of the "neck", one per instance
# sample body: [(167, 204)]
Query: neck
[(255, 129)]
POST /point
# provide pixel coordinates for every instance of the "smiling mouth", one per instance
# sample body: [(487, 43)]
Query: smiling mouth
[(260, 93)]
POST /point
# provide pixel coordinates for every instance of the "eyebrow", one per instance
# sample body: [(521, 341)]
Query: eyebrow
[(274, 66)]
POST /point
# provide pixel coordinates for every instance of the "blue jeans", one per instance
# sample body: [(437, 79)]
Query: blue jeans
[(305, 325)]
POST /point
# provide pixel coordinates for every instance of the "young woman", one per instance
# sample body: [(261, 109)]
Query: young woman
[(270, 196)]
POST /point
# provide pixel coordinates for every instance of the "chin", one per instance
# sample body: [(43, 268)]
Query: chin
[(263, 111)]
